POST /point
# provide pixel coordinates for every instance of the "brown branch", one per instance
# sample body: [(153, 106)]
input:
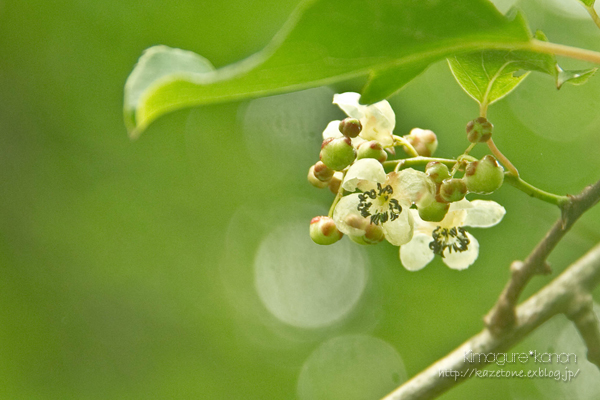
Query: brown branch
[(501, 317), (555, 298), (583, 316)]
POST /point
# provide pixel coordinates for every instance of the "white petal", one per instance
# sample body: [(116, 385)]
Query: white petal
[(332, 130), (357, 141), (412, 187), (384, 114), (348, 102), (462, 260), (484, 213), (346, 216), (416, 254), (366, 169), (382, 136), (456, 215), (378, 123), (424, 227), (400, 230), (460, 205)]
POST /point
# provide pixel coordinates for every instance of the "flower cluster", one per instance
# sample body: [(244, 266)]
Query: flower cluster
[(422, 212)]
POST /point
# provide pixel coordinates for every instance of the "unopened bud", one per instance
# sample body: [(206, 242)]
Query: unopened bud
[(373, 235), (452, 190), (437, 171), (423, 140), (321, 171), (372, 149), (323, 231), (335, 182), (354, 221), (485, 176), (313, 179), (479, 130), (338, 153), (350, 127), (434, 212)]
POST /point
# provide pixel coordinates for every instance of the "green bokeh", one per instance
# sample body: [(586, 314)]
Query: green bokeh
[(126, 267)]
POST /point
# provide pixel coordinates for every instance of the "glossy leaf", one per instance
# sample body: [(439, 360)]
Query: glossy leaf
[(156, 63), (489, 75), (327, 41), (574, 77)]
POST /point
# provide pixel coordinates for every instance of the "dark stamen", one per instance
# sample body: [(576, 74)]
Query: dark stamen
[(452, 239)]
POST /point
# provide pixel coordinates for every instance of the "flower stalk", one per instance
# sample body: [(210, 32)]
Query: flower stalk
[(533, 191)]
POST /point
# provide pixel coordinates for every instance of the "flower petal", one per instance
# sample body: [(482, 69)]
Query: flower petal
[(484, 213), (378, 123), (416, 254), (421, 226), (400, 230), (460, 205), (384, 114), (456, 215), (347, 218), (412, 187), (462, 260), (348, 102), (332, 130), (366, 169), (371, 133)]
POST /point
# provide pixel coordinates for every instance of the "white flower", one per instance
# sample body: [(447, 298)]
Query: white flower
[(377, 120), (448, 238), (385, 200)]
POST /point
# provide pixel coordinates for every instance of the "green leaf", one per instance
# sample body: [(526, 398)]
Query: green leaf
[(327, 41), (588, 3), (574, 77), (489, 75), (486, 76), (384, 83), (156, 63)]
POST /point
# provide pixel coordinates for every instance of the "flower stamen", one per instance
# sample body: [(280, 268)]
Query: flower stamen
[(382, 196), (452, 239)]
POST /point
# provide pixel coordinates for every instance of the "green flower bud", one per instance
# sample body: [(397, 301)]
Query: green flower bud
[(335, 182), (373, 235), (485, 176), (479, 130), (323, 231), (434, 212), (437, 171), (452, 190), (350, 127), (356, 222), (338, 153), (313, 179), (423, 140), (372, 149), (321, 172)]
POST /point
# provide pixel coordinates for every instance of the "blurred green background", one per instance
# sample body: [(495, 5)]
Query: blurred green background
[(179, 266)]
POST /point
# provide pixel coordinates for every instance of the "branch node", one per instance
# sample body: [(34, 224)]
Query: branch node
[(502, 318), (516, 267), (543, 269)]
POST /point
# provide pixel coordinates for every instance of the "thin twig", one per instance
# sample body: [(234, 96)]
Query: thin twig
[(562, 50), (554, 298), (593, 14), (502, 316), (532, 191), (502, 158)]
